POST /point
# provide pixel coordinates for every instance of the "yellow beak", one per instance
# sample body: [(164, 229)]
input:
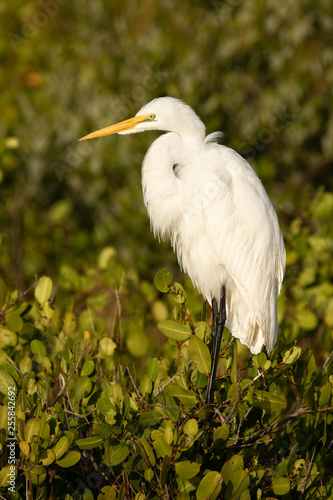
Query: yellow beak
[(118, 127)]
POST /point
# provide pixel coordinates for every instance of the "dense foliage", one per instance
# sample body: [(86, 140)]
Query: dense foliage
[(106, 404), (262, 72), (91, 426)]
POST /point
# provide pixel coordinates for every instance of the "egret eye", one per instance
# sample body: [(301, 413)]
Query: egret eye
[(152, 116)]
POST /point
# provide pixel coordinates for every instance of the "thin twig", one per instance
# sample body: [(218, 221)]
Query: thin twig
[(135, 388), (84, 352), (308, 469), (243, 420), (301, 411), (182, 306), (233, 406), (161, 389), (324, 366), (220, 416), (17, 369), (79, 415), (31, 287), (21, 375)]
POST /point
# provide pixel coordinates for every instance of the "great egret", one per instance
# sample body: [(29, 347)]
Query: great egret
[(208, 200)]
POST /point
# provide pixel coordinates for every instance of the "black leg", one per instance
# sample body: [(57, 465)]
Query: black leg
[(219, 317)]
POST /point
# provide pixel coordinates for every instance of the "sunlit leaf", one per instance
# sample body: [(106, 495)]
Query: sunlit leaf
[(267, 401), (69, 460), (153, 369), (186, 469), (89, 443), (281, 486), (200, 354), (6, 382), (61, 447), (174, 330), (163, 279), (43, 289), (210, 486), (186, 397)]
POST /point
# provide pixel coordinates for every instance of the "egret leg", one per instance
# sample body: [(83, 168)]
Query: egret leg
[(219, 317)]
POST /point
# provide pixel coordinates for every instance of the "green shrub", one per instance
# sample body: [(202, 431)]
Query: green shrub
[(93, 423)]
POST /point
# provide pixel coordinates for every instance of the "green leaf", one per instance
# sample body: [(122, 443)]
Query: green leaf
[(221, 434), (149, 418), (202, 330), (149, 476), (323, 206), (186, 397), (306, 318), (4, 475), (47, 457), (61, 447), (259, 360), (168, 435), (3, 416), (31, 429), (147, 451), (107, 493), (6, 381), (200, 354), (191, 427), (26, 381), (38, 348), (106, 347), (137, 342), (104, 405), (146, 386), (69, 323), (43, 289), (163, 279), (325, 394), (235, 463), (234, 363), (179, 293), (164, 470), (186, 469), (210, 486), (174, 330), (238, 481), (69, 460), (87, 368), (291, 356), (7, 337), (267, 401), (308, 397), (114, 455), (161, 447), (81, 389), (153, 367), (3, 293), (14, 321), (89, 443), (102, 430), (281, 486), (170, 406)]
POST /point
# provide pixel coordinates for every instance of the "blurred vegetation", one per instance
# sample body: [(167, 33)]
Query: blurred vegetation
[(90, 424), (262, 72)]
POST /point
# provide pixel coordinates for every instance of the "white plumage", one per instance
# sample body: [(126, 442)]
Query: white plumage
[(210, 203)]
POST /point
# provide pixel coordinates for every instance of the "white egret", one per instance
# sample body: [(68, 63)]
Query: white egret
[(208, 200)]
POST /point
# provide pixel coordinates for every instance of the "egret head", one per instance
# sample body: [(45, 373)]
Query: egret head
[(164, 113)]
